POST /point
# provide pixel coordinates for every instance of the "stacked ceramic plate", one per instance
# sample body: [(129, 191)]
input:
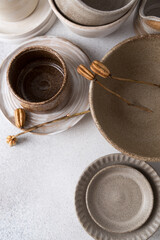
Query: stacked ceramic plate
[(93, 18), (118, 198), (37, 22)]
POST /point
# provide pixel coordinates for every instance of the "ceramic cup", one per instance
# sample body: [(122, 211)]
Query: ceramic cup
[(15, 10), (37, 77), (147, 18)]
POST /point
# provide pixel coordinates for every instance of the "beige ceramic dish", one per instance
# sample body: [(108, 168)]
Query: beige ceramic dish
[(16, 10), (78, 99), (130, 130), (147, 18), (37, 23), (119, 199), (90, 31), (95, 13), (142, 233)]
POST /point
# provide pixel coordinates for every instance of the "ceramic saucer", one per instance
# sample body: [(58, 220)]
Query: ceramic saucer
[(143, 232), (73, 56), (35, 24), (119, 199)]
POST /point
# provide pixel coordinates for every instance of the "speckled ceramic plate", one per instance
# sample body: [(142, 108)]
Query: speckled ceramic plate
[(78, 102), (142, 233), (119, 199), (35, 24)]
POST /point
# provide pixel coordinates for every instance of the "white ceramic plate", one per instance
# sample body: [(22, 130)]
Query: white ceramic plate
[(37, 23), (142, 233), (119, 199), (73, 56)]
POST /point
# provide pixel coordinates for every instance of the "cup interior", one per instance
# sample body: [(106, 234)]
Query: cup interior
[(104, 5), (152, 8), (36, 74)]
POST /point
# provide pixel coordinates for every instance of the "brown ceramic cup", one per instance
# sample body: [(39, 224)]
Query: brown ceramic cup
[(37, 77)]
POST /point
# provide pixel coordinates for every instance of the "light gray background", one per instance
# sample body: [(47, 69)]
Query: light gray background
[(38, 177)]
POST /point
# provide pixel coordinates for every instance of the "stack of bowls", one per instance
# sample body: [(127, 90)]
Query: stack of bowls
[(93, 19)]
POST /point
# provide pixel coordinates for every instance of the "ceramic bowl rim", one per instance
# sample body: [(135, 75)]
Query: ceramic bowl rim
[(119, 166), (84, 27), (49, 50), (121, 149), (94, 10)]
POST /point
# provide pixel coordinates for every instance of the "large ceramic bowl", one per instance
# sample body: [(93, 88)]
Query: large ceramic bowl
[(147, 18), (130, 130), (90, 31), (89, 12)]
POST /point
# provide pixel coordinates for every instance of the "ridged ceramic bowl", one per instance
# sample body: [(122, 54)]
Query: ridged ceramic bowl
[(93, 13), (147, 19), (130, 130), (91, 31)]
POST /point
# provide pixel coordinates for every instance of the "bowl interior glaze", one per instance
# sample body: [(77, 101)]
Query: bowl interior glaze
[(152, 8), (130, 130), (104, 5), (36, 74)]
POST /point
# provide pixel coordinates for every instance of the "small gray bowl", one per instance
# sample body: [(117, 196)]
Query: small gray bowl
[(94, 13)]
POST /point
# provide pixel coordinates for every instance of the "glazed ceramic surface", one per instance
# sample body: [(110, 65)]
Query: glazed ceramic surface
[(39, 22), (37, 77), (130, 130), (147, 18), (91, 31), (147, 229), (94, 13), (78, 101), (119, 199), (16, 10)]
